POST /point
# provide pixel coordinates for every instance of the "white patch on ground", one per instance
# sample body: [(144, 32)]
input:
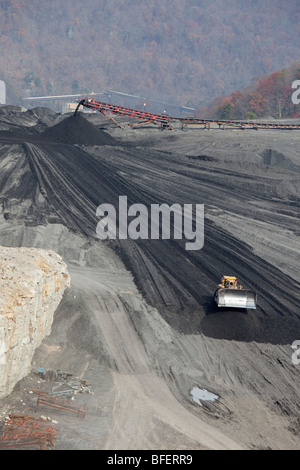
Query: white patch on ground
[(198, 394)]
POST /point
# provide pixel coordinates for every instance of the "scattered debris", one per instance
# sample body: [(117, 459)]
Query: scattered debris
[(59, 403), (50, 375), (63, 386), (24, 430)]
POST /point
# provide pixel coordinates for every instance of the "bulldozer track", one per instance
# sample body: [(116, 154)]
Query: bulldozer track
[(166, 121)]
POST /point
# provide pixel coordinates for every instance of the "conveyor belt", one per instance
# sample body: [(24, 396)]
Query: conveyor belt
[(166, 121)]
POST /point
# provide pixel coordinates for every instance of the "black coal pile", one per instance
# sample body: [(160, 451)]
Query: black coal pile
[(77, 130), (52, 177), (14, 119)]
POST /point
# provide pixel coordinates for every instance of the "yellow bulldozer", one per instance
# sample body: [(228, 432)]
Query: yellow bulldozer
[(231, 294)]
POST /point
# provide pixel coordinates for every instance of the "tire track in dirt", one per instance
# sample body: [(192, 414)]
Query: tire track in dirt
[(179, 283), (142, 396)]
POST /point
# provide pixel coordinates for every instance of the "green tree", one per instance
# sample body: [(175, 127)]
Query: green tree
[(226, 112), (251, 115)]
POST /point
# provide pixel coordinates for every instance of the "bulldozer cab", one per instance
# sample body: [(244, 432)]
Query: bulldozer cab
[(229, 282)]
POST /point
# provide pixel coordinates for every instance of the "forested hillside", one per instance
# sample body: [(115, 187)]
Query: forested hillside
[(268, 96), (182, 51)]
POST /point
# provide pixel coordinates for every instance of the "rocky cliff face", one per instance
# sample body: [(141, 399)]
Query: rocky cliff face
[(32, 283)]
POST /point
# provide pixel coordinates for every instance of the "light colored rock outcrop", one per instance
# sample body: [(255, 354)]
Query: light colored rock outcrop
[(32, 283)]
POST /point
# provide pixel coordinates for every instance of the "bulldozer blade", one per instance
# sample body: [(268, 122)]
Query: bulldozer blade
[(235, 298)]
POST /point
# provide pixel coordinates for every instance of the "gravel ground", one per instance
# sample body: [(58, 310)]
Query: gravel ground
[(138, 322)]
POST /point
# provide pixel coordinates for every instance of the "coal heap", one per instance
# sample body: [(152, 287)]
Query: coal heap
[(73, 181), (77, 130)]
